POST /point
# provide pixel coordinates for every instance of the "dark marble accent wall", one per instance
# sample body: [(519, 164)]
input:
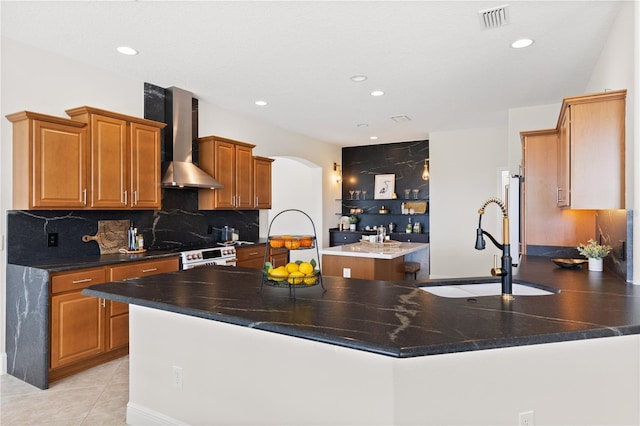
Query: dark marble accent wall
[(361, 164), (162, 229)]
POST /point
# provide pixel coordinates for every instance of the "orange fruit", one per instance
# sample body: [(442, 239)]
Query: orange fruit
[(292, 244), (306, 241), (276, 243)]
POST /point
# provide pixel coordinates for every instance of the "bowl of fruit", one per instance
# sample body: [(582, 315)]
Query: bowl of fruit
[(298, 273)]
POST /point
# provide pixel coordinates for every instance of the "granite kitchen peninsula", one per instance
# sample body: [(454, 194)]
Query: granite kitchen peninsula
[(209, 346)]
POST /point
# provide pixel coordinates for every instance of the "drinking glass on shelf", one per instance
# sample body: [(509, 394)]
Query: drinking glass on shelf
[(357, 194), (415, 194), (351, 194), (406, 194), (364, 194)]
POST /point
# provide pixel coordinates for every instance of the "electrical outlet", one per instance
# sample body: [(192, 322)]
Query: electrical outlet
[(52, 239), (346, 272), (525, 418), (177, 376)]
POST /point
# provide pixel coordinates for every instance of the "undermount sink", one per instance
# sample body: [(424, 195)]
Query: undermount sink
[(470, 290)]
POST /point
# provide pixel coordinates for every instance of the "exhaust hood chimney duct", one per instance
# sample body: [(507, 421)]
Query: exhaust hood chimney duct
[(181, 172)]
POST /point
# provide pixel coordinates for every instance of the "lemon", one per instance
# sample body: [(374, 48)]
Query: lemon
[(278, 274), (296, 277), (306, 268), (310, 280), (291, 267)]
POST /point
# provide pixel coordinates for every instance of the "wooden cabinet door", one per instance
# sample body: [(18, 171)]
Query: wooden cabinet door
[(563, 193), (244, 178), (597, 154), (59, 166), (278, 256), (144, 168), (543, 223), (262, 182), (109, 160), (250, 256), (77, 328), (225, 173)]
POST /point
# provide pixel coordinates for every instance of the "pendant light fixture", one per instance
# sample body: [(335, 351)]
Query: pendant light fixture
[(425, 172)]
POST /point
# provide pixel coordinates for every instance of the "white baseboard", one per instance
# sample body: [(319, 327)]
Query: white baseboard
[(139, 415)]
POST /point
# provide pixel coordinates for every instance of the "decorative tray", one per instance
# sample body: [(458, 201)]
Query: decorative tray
[(570, 263)]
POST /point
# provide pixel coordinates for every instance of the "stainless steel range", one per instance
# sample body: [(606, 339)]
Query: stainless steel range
[(208, 256)]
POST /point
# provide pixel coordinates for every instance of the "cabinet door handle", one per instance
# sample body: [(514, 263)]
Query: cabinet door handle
[(84, 280), (84, 197), (257, 201), (135, 198), (253, 253), (104, 303), (558, 199), (149, 270), (125, 198)]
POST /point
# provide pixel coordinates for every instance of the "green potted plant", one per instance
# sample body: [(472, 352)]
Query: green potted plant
[(352, 222), (595, 253)]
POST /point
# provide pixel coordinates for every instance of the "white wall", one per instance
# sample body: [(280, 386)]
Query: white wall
[(465, 167), (38, 81), (241, 375)]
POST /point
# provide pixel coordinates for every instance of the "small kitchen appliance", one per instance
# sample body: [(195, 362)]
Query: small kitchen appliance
[(225, 256)]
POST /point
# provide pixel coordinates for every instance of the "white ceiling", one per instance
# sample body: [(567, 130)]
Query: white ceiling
[(432, 58)]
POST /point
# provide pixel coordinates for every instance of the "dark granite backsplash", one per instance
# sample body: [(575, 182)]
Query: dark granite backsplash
[(170, 228)]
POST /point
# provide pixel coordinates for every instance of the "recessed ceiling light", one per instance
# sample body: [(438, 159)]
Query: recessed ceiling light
[(373, 138), (261, 103), (358, 78), (126, 50), (377, 93), (363, 125), (523, 42)]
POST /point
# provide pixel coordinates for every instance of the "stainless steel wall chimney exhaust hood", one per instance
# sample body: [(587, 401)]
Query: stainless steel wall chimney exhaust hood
[(181, 172)]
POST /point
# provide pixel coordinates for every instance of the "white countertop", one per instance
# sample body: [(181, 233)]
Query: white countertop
[(362, 249)]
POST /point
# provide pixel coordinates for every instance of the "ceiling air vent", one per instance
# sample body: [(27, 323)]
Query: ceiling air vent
[(400, 118), (494, 17)]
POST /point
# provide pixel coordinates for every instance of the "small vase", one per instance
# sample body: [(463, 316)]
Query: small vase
[(352, 227), (595, 264)]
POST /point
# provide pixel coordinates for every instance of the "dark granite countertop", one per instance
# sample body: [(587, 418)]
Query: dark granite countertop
[(71, 263), (396, 318)]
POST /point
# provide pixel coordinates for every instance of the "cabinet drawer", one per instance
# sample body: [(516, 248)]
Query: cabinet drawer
[(118, 308), (250, 253), (141, 269), (77, 280)]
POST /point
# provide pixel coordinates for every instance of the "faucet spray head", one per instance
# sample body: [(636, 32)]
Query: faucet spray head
[(480, 244)]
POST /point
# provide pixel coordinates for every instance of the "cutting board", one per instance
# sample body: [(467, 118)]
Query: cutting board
[(111, 236)]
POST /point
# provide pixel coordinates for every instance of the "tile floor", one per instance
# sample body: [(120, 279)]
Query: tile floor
[(97, 396)]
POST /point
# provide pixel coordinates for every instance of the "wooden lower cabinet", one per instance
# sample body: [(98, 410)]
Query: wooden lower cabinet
[(87, 331), (253, 256)]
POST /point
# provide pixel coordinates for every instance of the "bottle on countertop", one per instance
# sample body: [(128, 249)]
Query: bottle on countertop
[(139, 241), (131, 237), (417, 228)]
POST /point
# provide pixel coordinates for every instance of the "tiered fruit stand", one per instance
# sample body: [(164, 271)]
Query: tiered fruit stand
[(275, 277)]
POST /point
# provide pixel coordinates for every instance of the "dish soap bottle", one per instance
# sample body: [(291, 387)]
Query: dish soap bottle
[(409, 227)]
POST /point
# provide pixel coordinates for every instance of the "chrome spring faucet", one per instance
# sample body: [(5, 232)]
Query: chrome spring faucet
[(505, 270)]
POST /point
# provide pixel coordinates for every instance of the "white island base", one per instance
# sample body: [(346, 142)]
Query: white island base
[(239, 375)]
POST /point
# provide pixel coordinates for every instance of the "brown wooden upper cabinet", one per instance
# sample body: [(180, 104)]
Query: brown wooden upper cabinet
[(50, 156), (262, 182), (95, 160), (125, 159), (591, 152), (232, 164)]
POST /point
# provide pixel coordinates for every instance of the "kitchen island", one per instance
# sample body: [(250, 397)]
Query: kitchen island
[(209, 347), (372, 261)]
